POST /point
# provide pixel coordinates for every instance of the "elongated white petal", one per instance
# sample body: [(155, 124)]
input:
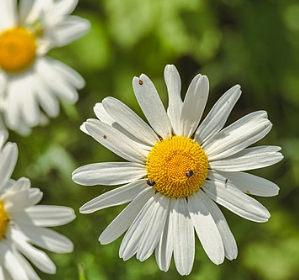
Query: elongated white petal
[(115, 141), (155, 226), (11, 263), (25, 9), (194, 105), (245, 182), (173, 83), (37, 257), (164, 248), (123, 221), (32, 275), (205, 227), (130, 243), (248, 159), (62, 8), (183, 237), (111, 173), (19, 197), (236, 201), (71, 29), (152, 106), (50, 216), (229, 242), (47, 239), (48, 74), (47, 100), (238, 136), (218, 115), (102, 114), (118, 196), (129, 120), (69, 74), (8, 14), (8, 159)]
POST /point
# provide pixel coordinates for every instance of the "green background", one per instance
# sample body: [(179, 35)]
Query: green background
[(251, 43)]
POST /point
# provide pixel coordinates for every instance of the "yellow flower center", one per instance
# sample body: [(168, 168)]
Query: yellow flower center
[(3, 221), (17, 49), (177, 167)]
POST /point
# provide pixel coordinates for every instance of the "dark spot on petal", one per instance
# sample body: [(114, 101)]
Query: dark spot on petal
[(105, 136), (140, 82)]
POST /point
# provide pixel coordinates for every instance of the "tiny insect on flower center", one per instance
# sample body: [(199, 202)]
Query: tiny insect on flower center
[(177, 167), (17, 49), (3, 221)]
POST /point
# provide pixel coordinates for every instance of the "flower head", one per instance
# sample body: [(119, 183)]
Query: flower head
[(28, 79), (23, 223), (176, 169)]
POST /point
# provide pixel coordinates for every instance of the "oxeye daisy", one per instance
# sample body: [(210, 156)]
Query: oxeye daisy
[(177, 169), (28, 79), (24, 224)]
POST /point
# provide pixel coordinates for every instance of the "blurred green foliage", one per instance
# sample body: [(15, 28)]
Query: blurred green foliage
[(252, 43)]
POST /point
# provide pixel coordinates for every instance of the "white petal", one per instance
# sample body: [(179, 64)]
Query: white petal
[(229, 243), (245, 182), (238, 136), (19, 197), (130, 121), (56, 82), (47, 99), (32, 275), (25, 9), (183, 237), (62, 8), (173, 83), (248, 159), (30, 110), (122, 222), (164, 248), (152, 106), (115, 141), (194, 105), (50, 216), (130, 243), (11, 263), (218, 115), (37, 257), (47, 239), (8, 159), (205, 227), (69, 74), (154, 228), (102, 115), (118, 196), (70, 29), (8, 14), (108, 173), (13, 108), (236, 201)]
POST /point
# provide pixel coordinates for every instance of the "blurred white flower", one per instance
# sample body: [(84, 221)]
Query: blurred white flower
[(23, 223), (177, 169), (28, 79)]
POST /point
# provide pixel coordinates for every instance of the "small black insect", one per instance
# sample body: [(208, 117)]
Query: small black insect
[(189, 173), (150, 182)]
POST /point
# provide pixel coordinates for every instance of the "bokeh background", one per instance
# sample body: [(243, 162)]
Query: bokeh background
[(251, 43)]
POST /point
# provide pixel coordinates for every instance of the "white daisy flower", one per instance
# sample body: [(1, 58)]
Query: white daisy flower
[(28, 79), (23, 223), (176, 170)]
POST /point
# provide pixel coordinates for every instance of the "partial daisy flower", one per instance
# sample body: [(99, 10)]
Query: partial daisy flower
[(24, 224), (176, 169), (29, 79)]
